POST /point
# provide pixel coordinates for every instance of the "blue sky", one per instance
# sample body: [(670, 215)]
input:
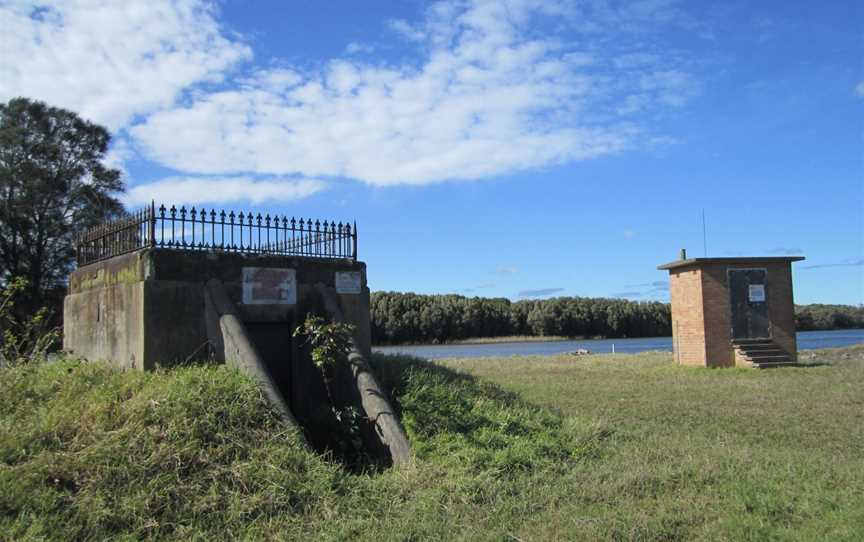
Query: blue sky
[(512, 148)]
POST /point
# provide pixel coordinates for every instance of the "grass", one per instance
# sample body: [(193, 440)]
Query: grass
[(595, 447), (727, 454)]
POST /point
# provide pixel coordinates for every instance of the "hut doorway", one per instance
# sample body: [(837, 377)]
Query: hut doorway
[(749, 303)]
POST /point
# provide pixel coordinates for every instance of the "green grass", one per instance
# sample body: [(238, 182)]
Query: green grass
[(594, 447), (726, 454)]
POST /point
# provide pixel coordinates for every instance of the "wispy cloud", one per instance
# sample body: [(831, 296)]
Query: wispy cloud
[(197, 190), (845, 263), (111, 61), (356, 48), (659, 284), (478, 287), (657, 288), (786, 251), (478, 93), (859, 89), (540, 293), (629, 234), (483, 95), (627, 294), (507, 269)]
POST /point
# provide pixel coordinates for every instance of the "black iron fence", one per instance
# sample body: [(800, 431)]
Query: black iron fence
[(203, 229)]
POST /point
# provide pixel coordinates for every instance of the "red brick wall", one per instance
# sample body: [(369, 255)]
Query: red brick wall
[(781, 307), (688, 328), (718, 324)]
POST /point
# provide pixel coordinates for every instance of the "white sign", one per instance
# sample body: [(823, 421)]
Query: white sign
[(757, 293), (269, 286), (348, 282)]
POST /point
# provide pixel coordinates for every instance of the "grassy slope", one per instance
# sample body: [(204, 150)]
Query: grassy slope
[(90, 453), (626, 447)]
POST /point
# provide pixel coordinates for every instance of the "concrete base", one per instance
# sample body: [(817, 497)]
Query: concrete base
[(147, 308)]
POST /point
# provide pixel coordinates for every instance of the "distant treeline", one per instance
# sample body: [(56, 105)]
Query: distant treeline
[(413, 318), (819, 317), (399, 318)]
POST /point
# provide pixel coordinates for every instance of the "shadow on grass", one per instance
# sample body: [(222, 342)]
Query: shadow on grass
[(458, 419)]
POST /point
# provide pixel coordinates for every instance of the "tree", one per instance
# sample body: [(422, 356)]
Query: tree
[(53, 185)]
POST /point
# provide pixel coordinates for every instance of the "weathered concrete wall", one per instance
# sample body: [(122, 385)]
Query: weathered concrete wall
[(147, 307), (103, 315)]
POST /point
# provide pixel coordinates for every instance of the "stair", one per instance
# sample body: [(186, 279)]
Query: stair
[(760, 354)]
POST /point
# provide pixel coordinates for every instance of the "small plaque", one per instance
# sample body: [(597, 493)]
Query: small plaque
[(348, 282), (757, 293), (269, 286)]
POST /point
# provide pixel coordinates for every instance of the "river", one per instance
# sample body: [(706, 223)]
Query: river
[(807, 340)]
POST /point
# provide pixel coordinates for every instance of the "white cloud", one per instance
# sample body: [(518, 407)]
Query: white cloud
[(483, 90), (110, 61), (859, 89), (198, 190), (357, 48), (488, 96), (119, 154)]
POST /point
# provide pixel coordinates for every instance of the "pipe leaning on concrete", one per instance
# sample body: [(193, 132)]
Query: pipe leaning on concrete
[(228, 335), (372, 397)]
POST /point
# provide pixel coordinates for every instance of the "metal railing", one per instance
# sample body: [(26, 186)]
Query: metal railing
[(202, 229)]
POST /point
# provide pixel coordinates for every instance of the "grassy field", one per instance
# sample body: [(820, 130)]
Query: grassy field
[(716, 454), (591, 447)]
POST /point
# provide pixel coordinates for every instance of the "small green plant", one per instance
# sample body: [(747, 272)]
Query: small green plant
[(23, 339), (331, 342)]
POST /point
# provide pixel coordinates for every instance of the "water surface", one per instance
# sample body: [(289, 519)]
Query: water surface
[(807, 340)]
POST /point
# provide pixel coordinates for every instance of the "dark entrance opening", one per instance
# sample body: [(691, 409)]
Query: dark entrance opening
[(330, 413), (749, 303), (274, 343)]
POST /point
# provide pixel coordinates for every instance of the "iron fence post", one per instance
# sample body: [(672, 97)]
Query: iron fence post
[(152, 223), (354, 239)]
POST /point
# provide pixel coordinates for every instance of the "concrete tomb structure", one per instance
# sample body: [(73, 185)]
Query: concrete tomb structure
[(172, 286), (730, 312)]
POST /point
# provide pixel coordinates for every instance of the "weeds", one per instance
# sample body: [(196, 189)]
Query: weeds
[(23, 339)]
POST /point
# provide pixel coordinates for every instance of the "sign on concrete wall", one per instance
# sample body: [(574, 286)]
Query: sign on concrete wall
[(269, 286), (348, 282)]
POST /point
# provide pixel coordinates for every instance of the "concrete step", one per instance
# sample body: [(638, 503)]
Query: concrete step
[(760, 346), (763, 353), (751, 341), (768, 359)]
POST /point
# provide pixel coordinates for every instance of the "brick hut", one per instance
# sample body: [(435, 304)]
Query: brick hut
[(730, 312)]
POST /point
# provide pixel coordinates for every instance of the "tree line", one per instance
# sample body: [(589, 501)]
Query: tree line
[(399, 318), (823, 317), (415, 318)]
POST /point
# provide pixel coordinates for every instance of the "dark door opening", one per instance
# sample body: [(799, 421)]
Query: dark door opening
[(749, 303), (273, 341)]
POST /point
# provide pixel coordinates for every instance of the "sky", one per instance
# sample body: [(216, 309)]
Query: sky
[(509, 148)]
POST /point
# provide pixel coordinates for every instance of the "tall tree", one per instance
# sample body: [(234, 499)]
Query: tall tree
[(53, 184)]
